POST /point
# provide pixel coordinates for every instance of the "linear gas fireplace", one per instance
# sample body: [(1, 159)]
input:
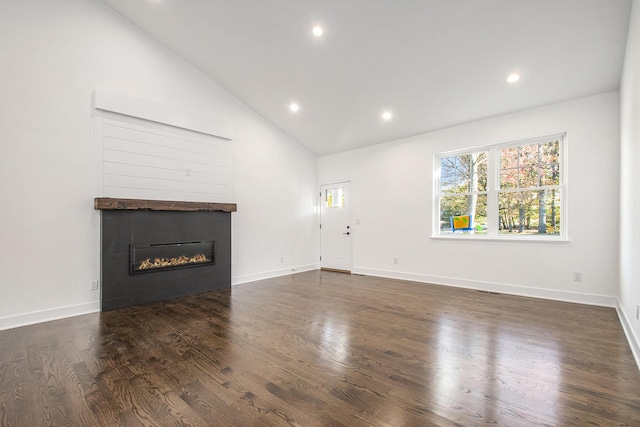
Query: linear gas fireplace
[(154, 250), (156, 257)]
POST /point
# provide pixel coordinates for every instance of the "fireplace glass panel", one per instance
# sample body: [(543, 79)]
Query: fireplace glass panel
[(161, 256)]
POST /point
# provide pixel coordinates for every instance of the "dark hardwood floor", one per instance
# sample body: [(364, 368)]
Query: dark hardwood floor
[(325, 349)]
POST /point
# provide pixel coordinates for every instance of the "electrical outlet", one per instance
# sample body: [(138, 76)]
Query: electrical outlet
[(93, 285), (577, 276), (395, 260), (281, 259), (637, 311)]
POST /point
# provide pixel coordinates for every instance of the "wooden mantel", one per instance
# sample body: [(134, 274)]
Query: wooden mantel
[(107, 203)]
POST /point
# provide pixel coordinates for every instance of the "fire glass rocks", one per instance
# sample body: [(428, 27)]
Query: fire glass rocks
[(158, 256)]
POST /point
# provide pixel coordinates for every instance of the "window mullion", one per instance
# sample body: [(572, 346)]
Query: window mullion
[(493, 174), (532, 189)]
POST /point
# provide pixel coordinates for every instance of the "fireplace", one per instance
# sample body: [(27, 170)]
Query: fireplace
[(157, 250), (156, 257)]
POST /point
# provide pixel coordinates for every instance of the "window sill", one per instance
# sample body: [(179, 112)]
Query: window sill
[(518, 239)]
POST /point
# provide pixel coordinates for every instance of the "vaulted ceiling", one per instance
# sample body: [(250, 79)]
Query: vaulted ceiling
[(431, 63)]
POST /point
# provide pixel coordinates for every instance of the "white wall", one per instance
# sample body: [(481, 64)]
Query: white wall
[(630, 184), (392, 195), (54, 55)]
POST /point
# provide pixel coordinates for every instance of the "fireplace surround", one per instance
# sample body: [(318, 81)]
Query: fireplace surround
[(153, 250)]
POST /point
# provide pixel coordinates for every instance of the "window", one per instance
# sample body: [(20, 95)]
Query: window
[(504, 190), (529, 196), (334, 198), (463, 190)]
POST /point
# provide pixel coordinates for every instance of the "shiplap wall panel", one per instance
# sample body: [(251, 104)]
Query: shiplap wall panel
[(163, 162), (152, 150), (160, 140), (119, 169), (164, 184), (148, 160)]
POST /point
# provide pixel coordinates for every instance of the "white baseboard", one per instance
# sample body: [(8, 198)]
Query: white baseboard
[(274, 273), (26, 319), (633, 340), (551, 294)]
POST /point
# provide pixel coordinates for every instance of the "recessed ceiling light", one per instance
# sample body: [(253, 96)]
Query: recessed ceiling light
[(387, 115), (317, 31), (294, 107), (513, 78)]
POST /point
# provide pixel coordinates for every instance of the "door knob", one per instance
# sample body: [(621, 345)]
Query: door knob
[(347, 233)]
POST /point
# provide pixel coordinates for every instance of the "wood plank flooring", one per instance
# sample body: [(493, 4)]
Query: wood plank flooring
[(324, 349)]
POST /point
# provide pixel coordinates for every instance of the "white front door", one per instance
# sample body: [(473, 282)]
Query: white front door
[(335, 226)]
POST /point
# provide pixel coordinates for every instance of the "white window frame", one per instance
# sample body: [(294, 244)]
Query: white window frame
[(493, 191)]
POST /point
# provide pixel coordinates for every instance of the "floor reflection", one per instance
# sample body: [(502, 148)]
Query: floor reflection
[(489, 368), (325, 349), (335, 341)]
